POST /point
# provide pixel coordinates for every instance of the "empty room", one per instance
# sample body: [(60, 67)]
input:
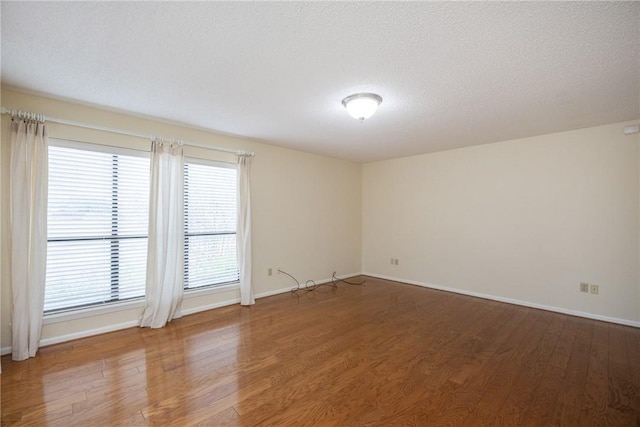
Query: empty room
[(320, 213)]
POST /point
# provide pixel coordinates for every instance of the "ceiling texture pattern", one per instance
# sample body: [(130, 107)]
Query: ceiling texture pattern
[(452, 74)]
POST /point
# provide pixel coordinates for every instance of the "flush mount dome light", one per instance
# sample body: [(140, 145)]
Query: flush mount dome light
[(362, 105)]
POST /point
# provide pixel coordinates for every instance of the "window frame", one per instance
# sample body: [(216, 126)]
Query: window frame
[(216, 287), (132, 305), (114, 304)]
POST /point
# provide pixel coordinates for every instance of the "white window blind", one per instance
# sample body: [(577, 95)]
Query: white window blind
[(210, 256), (97, 227)]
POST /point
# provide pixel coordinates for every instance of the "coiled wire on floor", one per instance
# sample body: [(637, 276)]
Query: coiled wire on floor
[(310, 286)]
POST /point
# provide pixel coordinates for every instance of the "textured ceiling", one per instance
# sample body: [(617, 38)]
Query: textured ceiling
[(452, 74)]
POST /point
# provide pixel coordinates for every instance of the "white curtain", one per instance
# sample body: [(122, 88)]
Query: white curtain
[(165, 256), (28, 218), (244, 230)]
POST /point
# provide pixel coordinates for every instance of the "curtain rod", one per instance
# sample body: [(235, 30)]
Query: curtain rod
[(41, 118)]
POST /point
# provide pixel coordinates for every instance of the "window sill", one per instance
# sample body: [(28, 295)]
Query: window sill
[(82, 313), (193, 293)]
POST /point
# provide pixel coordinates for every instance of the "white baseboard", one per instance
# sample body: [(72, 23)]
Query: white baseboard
[(273, 292), (512, 301), (110, 328)]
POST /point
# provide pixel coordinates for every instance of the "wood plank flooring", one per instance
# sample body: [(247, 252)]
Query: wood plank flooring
[(381, 354)]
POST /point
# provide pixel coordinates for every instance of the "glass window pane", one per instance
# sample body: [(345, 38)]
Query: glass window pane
[(210, 194), (79, 193), (98, 211), (210, 225), (210, 260), (78, 273)]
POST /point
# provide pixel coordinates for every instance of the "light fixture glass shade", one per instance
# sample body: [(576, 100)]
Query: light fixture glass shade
[(362, 105)]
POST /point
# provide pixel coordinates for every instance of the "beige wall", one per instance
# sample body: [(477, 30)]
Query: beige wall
[(306, 208), (3, 315), (524, 220)]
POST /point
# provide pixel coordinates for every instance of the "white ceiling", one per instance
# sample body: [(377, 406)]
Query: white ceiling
[(452, 74)]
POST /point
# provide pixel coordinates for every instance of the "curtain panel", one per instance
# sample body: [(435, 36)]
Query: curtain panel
[(243, 234), (28, 224), (165, 255)]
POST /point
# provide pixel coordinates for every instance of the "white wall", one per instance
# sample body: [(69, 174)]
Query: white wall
[(306, 208), (524, 220)]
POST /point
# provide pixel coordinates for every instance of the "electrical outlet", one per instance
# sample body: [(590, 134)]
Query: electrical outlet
[(584, 287), (595, 289), (396, 263), (270, 272)]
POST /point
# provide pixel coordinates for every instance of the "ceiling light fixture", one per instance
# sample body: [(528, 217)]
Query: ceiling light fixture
[(362, 105)]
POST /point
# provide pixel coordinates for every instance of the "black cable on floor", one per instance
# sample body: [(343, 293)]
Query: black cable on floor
[(336, 280), (311, 286)]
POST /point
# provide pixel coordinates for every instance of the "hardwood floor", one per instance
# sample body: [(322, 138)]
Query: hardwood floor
[(381, 354)]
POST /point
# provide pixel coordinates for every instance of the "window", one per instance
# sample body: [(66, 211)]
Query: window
[(97, 225), (209, 224), (98, 211)]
